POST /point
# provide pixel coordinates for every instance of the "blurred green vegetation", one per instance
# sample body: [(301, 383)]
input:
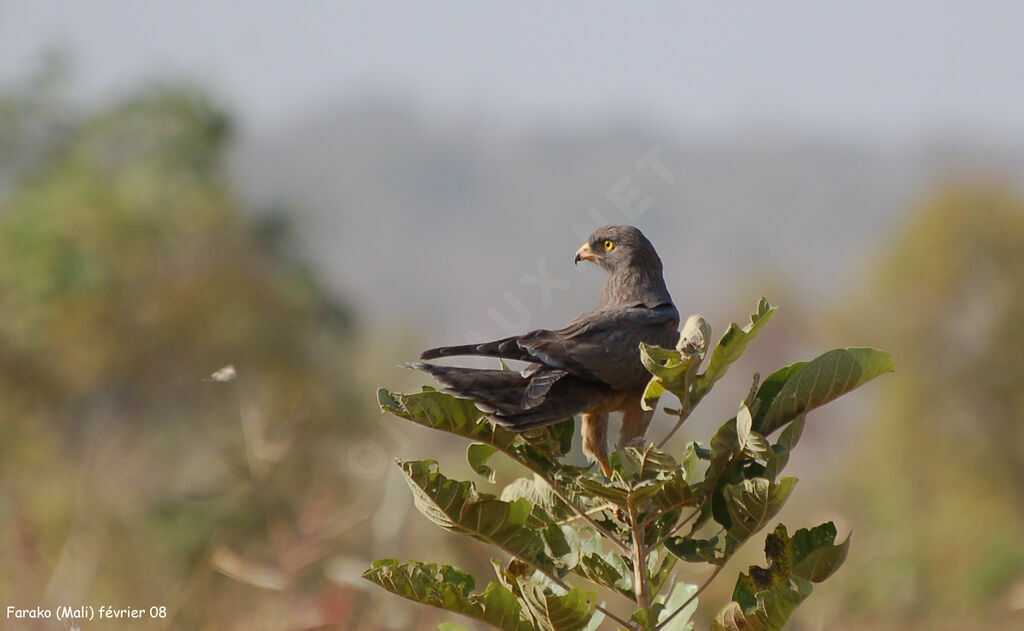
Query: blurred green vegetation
[(936, 479), (128, 274)]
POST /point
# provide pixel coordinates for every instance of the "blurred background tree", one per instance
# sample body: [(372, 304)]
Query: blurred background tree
[(935, 477), (128, 273)]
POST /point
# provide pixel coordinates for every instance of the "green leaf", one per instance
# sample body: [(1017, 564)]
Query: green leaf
[(752, 503), (608, 570), (551, 612), (748, 441), (769, 595), (554, 440), (693, 550), (449, 588), (663, 571), (643, 464), (732, 345), (797, 389), (730, 618), (689, 463), (610, 491), (562, 545), (647, 619), (654, 391), (775, 606), (539, 493), (716, 550), (724, 443), (457, 507), (674, 370), (681, 621), (477, 455), (787, 441), (815, 555), (538, 449)]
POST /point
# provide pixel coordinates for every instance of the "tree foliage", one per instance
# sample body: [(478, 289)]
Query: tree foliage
[(129, 272), (946, 437), (565, 526)]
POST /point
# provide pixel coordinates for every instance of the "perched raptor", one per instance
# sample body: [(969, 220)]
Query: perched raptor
[(591, 367)]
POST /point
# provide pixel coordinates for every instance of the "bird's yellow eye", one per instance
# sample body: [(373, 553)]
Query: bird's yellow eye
[(608, 245)]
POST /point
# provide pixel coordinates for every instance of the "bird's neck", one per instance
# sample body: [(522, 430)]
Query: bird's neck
[(635, 285)]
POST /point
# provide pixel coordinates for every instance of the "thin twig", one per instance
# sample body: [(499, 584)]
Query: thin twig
[(640, 587), (650, 520), (683, 415), (592, 511), (689, 517)]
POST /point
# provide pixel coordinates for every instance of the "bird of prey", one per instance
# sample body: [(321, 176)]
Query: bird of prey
[(591, 367)]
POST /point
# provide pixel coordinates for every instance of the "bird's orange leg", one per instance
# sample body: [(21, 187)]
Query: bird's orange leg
[(594, 429), (634, 424)]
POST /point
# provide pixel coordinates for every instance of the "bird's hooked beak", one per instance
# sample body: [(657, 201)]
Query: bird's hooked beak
[(584, 253)]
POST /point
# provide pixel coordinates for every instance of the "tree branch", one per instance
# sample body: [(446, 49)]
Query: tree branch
[(640, 583)]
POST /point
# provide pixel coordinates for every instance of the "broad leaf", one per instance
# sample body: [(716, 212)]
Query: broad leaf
[(537, 449), (769, 595), (730, 618), (747, 440), (752, 503), (449, 588), (680, 617), (787, 441), (456, 506), (815, 554), (732, 345), (539, 493), (477, 455), (799, 388), (716, 550), (562, 545), (609, 570), (674, 370), (551, 612)]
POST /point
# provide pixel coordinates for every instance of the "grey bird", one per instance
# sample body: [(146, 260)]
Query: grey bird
[(591, 367)]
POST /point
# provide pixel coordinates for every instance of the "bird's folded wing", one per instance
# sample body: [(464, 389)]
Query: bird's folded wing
[(602, 345)]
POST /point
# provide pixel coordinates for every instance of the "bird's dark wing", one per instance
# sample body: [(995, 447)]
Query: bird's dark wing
[(602, 345), (502, 394)]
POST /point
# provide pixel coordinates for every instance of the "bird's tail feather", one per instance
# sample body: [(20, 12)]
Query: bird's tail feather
[(495, 391), (507, 348)]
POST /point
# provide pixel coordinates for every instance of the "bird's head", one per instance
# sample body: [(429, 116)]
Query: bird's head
[(616, 247)]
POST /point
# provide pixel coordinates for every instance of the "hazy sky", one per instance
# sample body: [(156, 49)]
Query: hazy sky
[(854, 67)]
